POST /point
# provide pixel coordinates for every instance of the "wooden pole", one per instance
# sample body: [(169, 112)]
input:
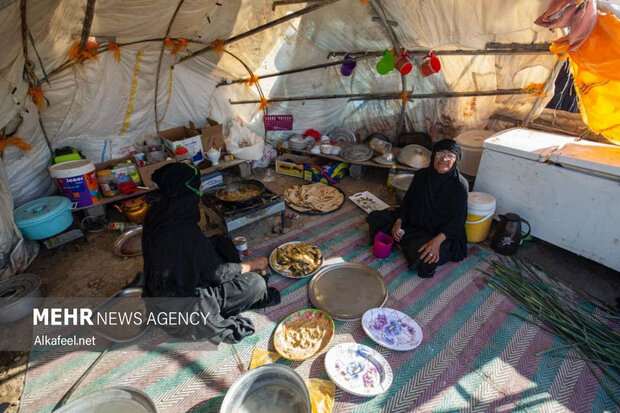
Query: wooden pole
[(161, 54), (266, 26), (546, 87), (88, 22), (542, 48), (390, 96)]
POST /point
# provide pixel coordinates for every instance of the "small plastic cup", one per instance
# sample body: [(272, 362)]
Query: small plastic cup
[(382, 245)]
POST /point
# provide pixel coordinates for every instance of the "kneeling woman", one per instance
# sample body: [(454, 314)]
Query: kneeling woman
[(188, 273), (432, 214)]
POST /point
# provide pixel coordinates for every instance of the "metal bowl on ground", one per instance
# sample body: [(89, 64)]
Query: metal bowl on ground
[(113, 400), (415, 156), (401, 183), (129, 244), (19, 295), (272, 388)]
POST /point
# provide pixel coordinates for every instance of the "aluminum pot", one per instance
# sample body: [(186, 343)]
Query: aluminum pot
[(271, 387), (401, 183), (19, 295), (112, 400)]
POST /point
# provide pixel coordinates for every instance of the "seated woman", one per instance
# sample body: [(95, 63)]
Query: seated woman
[(432, 214), (190, 273)]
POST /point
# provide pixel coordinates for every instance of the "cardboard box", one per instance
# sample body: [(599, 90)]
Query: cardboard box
[(318, 170), (212, 136), (147, 171), (291, 165), (189, 138), (211, 181)]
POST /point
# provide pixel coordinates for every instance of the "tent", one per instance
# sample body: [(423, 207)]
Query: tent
[(99, 75)]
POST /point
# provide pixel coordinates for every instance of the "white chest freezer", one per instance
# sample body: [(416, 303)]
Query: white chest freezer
[(568, 190)]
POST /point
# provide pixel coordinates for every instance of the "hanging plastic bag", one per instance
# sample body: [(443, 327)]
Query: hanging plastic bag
[(242, 143)]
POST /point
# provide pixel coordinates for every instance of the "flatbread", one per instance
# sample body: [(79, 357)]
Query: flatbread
[(313, 197)]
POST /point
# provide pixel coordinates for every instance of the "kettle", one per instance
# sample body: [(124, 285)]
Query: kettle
[(134, 209), (214, 155), (507, 235)]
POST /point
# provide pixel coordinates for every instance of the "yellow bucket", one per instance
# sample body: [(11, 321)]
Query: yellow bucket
[(480, 210)]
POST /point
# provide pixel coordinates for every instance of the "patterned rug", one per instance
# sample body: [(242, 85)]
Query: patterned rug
[(474, 356)]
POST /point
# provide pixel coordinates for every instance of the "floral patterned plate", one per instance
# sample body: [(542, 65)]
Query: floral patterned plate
[(303, 334), (392, 329), (358, 369)]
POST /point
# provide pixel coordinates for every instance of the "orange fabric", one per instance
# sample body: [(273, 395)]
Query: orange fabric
[(596, 71), (218, 45), (14, 140), (263, 104), (404, 96), (113, 47), (535, 89), (89, 52), (252, 80), (37, 96)]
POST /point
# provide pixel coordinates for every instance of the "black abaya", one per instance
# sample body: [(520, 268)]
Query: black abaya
[(434, 203)]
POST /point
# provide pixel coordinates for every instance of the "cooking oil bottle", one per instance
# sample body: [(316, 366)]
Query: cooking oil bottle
[(391, 175)]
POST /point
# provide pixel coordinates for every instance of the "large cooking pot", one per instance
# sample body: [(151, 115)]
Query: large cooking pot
[(274, 386), (401, 183), (223, 194)]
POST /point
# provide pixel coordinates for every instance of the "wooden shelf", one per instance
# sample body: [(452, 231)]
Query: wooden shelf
[(365, 163), (142, 190)]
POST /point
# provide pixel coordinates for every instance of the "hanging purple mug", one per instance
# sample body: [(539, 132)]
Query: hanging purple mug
[(347, 68)]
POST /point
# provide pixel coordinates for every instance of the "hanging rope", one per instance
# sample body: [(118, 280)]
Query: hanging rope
[(132, 94), (170, 80)]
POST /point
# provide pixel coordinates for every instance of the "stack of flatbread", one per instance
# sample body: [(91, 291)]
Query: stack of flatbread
[(314, 197)]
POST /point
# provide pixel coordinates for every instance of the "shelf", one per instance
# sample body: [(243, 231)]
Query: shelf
[(142, 190), (365, 163)]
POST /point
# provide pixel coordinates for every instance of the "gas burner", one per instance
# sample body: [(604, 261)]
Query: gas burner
[(232, 216)]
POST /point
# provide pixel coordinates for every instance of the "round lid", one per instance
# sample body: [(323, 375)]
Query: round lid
[(134, 204), (474, 138), (40, 210), (104, 172), (15, 288), (480, 200), (71, 168)]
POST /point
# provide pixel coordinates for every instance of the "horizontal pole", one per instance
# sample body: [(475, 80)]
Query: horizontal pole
[(542, 48), (389, 96), (297, 70)]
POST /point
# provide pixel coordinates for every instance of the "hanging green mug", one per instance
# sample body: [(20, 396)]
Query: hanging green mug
[(386, 64)]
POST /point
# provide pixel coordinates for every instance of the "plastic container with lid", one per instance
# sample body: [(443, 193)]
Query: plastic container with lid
[(471, 142), (44, 217), (107, 182), (480, 210)]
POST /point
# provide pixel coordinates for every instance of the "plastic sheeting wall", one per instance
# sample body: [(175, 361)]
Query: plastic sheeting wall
[(92, 106)]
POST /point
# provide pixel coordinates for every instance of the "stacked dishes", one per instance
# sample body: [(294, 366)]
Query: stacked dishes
[(297, 143), (342, 135)]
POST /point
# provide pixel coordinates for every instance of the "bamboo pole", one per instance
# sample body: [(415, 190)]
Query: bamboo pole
[(88, 22), (389, 96), (266, 26), (542, 48), (290, 2), (161, 54)]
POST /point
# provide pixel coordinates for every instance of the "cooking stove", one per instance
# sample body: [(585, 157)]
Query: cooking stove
[(230, 217)]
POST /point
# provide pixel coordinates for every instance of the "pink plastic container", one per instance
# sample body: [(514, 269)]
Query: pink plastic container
[(383, 245)]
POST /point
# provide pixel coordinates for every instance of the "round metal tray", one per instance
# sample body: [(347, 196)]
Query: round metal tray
[(347, 290), (272, 256), (126, 245), (357, 153)]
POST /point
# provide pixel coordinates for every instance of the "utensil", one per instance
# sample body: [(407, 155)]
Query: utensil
[(507, 236), (415, 156), (382, 245), (128, 187), (44, 217), (134, 209), (326, 148), (310, 314), (236, 186), (112, 400), (342, 134), (357, 153), (382, 161), (273, 385), (214, 156), (129, 243), (392, 329), (401, 183), (358, 369), (347, 290), (274, 253), (19, 295)]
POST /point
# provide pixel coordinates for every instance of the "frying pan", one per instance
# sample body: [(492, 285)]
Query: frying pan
[(235, 186)]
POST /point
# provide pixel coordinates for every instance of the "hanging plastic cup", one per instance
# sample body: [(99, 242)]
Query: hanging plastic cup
[(402, 64), (386, 64), (347, 67), (431, 66)]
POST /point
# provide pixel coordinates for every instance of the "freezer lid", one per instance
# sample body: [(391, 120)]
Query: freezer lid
[(526, 143), (590, 156)]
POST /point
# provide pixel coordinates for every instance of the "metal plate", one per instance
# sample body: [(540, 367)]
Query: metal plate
[(272, 257), (357, 153), (129, 243), (19, 295), (347, 290)]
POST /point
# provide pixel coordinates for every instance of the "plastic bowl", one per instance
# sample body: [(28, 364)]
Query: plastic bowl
[(128, 187)]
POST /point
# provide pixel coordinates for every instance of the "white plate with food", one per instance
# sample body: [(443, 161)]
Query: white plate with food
[(303, 334), (296, 259)]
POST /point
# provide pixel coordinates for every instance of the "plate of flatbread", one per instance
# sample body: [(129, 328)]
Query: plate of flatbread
[(314, 199)]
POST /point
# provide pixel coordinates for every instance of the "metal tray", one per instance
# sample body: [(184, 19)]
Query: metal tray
[(357, 153), (347, 290), (273, 254), (126, 245)]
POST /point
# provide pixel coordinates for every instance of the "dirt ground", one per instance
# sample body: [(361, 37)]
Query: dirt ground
[(89, 268)]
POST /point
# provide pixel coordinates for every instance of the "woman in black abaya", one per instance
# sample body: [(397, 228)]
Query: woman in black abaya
[(432, 214), (187, 272)]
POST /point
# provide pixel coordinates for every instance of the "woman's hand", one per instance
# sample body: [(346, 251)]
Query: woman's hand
[(258, 265), (429, 252), (395, 228)]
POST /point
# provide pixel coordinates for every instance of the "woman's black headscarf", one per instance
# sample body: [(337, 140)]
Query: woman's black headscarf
[(436, 180), (171, 224)]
